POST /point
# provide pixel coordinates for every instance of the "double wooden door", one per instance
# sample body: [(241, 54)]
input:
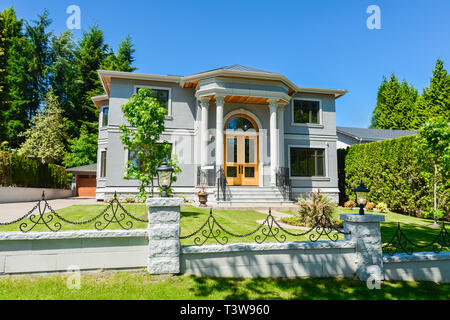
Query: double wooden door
[(241, 159)]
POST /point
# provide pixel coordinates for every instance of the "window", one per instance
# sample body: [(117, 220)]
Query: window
[(161, 95), (105, 116), (133, 157), (306, 162), (103, 164), (306, 111)]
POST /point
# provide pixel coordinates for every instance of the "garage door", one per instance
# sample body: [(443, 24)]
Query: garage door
[(86, 185)]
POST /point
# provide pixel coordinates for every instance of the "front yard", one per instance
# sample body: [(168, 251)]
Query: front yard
[(141, 285), (235, 221)]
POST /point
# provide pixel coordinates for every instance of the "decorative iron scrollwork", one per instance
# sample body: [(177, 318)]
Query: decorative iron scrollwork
[(400, 243), (269, 229), (114, 213)]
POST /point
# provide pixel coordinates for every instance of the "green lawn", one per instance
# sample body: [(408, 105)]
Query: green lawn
[(235, 221), (140, 285)]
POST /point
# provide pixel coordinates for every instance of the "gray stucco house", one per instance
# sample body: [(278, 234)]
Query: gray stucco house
[(256, 128)]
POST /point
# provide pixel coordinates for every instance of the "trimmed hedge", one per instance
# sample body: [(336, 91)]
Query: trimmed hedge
[(18, 171), (391, 171)]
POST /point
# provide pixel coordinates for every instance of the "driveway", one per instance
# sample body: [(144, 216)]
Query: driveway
[(12, 211)]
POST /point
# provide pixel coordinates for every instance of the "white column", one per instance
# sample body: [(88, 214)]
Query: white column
[(204, 103), (220, 101), (273, 103), (281, 161)]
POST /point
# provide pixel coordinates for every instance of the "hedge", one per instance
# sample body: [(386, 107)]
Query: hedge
[(391, 171), (19, 171)]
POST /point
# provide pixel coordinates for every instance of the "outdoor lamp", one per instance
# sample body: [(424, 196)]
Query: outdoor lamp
[(164, 172), (361, 196)]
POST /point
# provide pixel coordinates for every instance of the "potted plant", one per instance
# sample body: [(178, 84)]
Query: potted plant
[(202, 196)]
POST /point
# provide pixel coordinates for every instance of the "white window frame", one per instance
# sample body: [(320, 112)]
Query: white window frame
[(169, 103), (100, 163), (325, 177), (312, 125), (101, 116)]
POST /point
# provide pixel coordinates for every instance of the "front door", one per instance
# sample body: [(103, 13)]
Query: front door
[(241, 159)]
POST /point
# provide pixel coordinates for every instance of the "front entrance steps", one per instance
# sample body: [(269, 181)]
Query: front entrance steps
[(254, 197)]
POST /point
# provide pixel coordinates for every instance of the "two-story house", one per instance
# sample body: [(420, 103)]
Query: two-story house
[(255, 128)]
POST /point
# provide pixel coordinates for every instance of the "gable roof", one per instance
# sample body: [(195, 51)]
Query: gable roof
[(373, 134)]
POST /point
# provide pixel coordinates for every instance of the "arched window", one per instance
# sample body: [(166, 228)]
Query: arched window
[(241, 124)]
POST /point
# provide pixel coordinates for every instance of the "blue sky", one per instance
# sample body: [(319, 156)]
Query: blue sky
[(321, 43)]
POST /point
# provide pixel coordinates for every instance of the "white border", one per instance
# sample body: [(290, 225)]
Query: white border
[(169, 103), (319, 125)]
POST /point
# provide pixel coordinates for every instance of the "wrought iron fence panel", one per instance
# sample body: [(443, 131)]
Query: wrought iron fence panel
[(47, 217), (400, 243), (269, 229)]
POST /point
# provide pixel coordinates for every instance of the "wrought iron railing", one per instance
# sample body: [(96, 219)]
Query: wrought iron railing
[(400, 243), (270, 229), (222, 185), (113, 214), (283, 183), (206, 177)]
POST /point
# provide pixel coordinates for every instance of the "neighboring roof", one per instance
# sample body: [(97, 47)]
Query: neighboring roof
[(90, 168), (373, 134)]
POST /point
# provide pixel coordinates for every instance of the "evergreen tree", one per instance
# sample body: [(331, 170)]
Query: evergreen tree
[(124, 59), (10, 30), (45, 139), (81, 150), (395, 107), (435, 100), (89, 56)]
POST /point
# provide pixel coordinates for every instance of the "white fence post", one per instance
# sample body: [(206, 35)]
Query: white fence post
[(365, 232)]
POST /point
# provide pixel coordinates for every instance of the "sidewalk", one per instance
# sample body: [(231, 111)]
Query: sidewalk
[(12, 211)]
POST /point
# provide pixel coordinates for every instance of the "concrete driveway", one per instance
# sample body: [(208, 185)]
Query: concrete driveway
[(12, 211)]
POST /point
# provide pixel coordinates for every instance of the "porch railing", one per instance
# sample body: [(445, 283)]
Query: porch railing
[(283, 183)]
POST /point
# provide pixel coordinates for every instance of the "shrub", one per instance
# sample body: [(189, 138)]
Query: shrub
[(311, 211), (393, 175), (293, 221), (19, 171), (369, 206), (129, 199), (382, 207), (350, 204)]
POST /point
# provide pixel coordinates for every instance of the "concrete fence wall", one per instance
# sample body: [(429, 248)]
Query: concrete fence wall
[(422, 266), (46, 252), (158, 249), (293, 259), (19, 194)]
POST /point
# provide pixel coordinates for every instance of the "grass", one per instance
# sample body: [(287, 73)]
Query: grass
[(141, 285), (235, 221)]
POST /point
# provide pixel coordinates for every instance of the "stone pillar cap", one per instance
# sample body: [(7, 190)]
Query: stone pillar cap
[(164, 202), (362, 218)]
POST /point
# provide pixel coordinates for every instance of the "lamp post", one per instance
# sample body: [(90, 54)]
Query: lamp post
[(164, 172), (361, 196)]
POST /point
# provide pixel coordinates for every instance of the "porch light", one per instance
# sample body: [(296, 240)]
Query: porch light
[(361, 196), (164, 172)]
